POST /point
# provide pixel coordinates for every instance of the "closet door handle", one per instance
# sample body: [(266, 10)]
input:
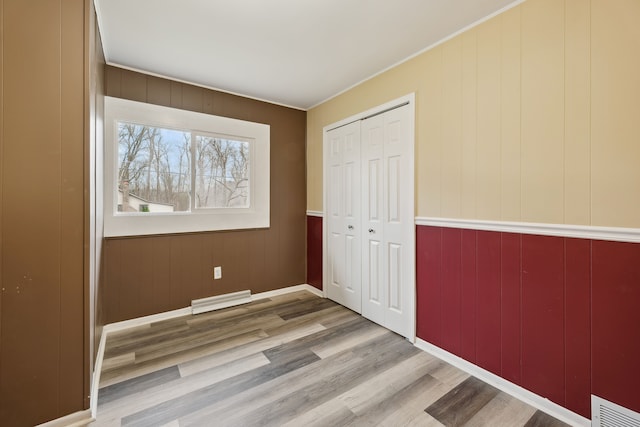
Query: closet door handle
[(372, 231), (350, 227)]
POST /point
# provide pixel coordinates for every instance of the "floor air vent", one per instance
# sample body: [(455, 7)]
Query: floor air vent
[(608, 414), (221, 301)]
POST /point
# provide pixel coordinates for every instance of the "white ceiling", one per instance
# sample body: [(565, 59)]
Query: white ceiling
[(292, 52)]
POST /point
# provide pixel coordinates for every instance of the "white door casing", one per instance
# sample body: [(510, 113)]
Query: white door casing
[(343, 216)]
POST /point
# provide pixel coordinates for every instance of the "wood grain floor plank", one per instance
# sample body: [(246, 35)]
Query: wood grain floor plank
[(339, 318), (196, 337), (358, 327), (330, 413), (115, 362), (389, 350), (125, 373), (375, 414), (449, 374), (460, 404), (265, 394), (192, 402), (296, 360), (171, 390), (334, 345), (502, 411), (124, 342), (142, 383), (231, 353), (409, 409), (386, 384), (540, 419)]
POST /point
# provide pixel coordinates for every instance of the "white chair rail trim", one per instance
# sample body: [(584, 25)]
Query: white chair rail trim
[(618, 234)]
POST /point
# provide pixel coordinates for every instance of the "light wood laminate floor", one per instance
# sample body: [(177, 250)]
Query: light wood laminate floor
[(291, 360)]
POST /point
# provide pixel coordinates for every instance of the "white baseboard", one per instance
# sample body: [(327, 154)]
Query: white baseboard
[(140, 321), (95, 380), (288, 290), (77, 419), (538, 402)]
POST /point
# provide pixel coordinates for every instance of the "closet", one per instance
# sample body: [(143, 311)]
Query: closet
[(369, 220)]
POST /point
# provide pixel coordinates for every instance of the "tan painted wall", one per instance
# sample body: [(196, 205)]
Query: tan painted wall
[(530, 116)]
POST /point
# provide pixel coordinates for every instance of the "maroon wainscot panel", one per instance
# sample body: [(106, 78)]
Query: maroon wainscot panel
[(520, 306)]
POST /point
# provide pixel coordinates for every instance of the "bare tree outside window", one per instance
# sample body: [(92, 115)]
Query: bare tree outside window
[(222, 172), (154, 169)]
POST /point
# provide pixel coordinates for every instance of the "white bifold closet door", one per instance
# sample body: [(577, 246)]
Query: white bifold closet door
[(388, 254), (344, 241), (378, 178)]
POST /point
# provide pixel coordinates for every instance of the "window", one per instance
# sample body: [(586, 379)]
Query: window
[(170, 171), (222, 172)]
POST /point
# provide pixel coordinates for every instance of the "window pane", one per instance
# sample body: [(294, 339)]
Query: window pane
[(222, 173), (153, 169)]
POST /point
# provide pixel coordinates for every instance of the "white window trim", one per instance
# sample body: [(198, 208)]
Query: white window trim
[(255, 216)]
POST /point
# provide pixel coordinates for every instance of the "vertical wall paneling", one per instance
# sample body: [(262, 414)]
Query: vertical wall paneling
[(314, 251), (451, 292), (158, 91), (468, 299), (72, 212), (428, 281), (451, 127), (615, 322), (176, 94), (615, 85), (429, 155), (135, 265), (510, 115), (151, 274), (549, 116), (488, 164), (543, 111), (192, 98), (511, 294), (554, 315), (2, 283), (577, 308), (488, 330), (161, 276), (543, 337), (134, 85), (577, 113), (44, 365), (29, 388), (469, 125)]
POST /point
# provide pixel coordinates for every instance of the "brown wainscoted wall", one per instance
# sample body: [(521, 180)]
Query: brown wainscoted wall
[(44, 366), (153, 274)]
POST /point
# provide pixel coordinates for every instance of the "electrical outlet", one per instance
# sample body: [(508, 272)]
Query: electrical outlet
[(217, 272)]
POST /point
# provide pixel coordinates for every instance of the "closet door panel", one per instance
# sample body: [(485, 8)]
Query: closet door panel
[(344, 215)]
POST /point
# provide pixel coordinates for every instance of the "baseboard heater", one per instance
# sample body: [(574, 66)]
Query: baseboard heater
[(609, 414), (220, 301)]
